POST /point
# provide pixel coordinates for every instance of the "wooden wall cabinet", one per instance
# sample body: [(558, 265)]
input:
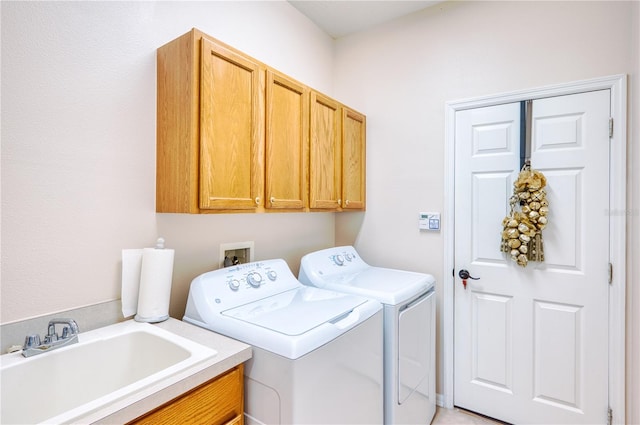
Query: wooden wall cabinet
[(325, 157), (235, 135), (231, 129), (353, 159), (287, 143), (217, 402), (337, 156), (210, 127)]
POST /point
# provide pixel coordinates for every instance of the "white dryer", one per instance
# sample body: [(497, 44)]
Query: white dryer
[(317, 354), (409, 325)]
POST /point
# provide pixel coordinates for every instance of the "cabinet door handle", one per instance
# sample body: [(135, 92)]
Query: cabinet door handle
[(339, 201), (257, 200), (347, 203), (272, 200)]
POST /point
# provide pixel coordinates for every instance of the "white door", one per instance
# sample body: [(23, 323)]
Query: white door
[(531, 343)]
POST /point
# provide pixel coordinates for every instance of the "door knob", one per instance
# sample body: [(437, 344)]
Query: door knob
[(464, 275)]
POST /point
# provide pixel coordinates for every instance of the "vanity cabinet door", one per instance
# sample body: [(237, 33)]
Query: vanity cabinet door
[(217, 402), (287, 143)]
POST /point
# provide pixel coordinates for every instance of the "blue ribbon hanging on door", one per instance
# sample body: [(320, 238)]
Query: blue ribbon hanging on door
[(523, 133)]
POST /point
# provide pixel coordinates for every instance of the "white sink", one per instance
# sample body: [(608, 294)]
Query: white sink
[(106, 365)]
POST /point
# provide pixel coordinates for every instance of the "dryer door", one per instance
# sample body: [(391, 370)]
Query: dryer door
[(414, 350)]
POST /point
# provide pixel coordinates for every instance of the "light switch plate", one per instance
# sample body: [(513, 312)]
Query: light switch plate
[(429, 221)]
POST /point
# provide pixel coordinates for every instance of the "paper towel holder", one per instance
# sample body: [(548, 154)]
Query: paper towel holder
[(155, 307)]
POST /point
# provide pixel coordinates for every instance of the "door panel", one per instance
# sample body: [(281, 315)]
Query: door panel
[(492, 347), (559, 132), (557, 342), (489, 192), (531, 343), (493, 138), (562, 236)]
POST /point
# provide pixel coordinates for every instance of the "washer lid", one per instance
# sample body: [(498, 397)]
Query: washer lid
[(296, 311), (389, 286)]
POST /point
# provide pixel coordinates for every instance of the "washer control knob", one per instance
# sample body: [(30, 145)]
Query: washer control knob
[(234, 284), (272, 275), (338, 259), (348, 256), (254, 279)]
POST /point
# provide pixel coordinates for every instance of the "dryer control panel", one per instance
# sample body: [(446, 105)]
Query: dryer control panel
[(340, 258), (329, 264)]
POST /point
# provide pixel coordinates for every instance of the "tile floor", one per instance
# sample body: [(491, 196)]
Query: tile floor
[(460, 417)]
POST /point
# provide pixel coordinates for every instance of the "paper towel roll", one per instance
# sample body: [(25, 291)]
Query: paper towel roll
[(131, 268), (155, 285)]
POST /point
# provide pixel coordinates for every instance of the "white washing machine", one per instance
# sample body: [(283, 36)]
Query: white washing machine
[(317, 354), (409, 326)]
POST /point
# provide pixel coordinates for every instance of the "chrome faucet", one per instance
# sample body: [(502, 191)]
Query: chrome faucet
[(33, 344)]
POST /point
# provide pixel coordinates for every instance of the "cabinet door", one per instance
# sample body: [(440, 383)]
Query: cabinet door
[(324, 153), (353, 159), (287, 142), (231, 129), (218, 402)]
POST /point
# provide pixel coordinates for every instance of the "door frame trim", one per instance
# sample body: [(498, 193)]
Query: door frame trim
[(617, 225)]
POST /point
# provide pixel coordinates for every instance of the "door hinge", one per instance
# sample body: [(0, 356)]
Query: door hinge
[(610, 273), (610, 127), (609, 416)]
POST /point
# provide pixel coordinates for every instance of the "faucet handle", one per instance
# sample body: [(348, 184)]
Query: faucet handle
[(73, 327), (31, 341), (67, 331)]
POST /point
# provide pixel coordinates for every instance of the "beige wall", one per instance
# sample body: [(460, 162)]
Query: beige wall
[(78, 145), (402, 73), (78, 131)]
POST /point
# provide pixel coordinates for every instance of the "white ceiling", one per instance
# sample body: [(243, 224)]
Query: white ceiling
[(342, 17)]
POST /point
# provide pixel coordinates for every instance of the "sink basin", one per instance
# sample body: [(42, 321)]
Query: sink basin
[(106, 365)]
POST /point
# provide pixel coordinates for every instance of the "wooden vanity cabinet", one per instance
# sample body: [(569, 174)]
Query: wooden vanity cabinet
[(210, 127), (217, 402)]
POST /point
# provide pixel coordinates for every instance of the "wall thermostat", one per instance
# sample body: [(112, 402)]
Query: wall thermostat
[(429, 221)]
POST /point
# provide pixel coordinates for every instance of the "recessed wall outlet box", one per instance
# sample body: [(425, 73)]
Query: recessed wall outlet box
[(236, 253), (429, 221)]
